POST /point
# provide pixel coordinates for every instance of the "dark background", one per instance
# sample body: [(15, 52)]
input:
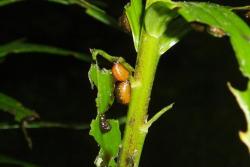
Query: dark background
[(201, 130)]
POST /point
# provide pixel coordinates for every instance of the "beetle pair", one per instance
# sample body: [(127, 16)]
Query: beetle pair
[(123, 92), (123, 87)]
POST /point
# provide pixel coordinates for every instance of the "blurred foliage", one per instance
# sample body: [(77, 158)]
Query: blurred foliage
[(20, 46), (15, 108)]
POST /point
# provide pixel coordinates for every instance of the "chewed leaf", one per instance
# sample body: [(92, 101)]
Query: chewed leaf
[(243, 99), (109, 142), (15, 108), (224, 19), (93, 75), (103, 80)]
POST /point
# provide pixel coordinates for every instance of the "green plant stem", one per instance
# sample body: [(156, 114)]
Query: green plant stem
[(135, 132)]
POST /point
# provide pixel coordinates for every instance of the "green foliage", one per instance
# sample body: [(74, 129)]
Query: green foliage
[(22, 47), (157, 18), (175, 31), (239, 33), (111, 59), (224, 19), (156, 27), (109, 142), (6, 2), (158, 115), (15, 108), (103, 80), (162, 22), (134, 11)]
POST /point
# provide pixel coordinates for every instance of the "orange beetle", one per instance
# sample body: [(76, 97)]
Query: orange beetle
[(119, 72), (123, 92)]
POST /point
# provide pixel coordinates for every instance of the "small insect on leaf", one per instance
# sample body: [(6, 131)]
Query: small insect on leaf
[(104, 124), (119, 72), (216, 32), (247, 15), (123, 92)]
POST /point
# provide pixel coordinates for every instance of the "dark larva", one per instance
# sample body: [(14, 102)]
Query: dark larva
[(104, 124)]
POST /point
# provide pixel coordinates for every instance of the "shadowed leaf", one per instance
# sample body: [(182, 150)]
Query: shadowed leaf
[(8, 160), (15, 108)]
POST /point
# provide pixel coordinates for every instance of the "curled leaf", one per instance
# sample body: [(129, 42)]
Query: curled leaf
[(109, 142)]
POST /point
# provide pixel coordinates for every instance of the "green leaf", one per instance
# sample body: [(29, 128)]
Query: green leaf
[(15, 108), (176, 30), (109, 142), (104, 81), (157, 18), (224, 19), (162, 21), (158, 115), (22, 47), (8, 160), (243, 99), (134, 13)]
